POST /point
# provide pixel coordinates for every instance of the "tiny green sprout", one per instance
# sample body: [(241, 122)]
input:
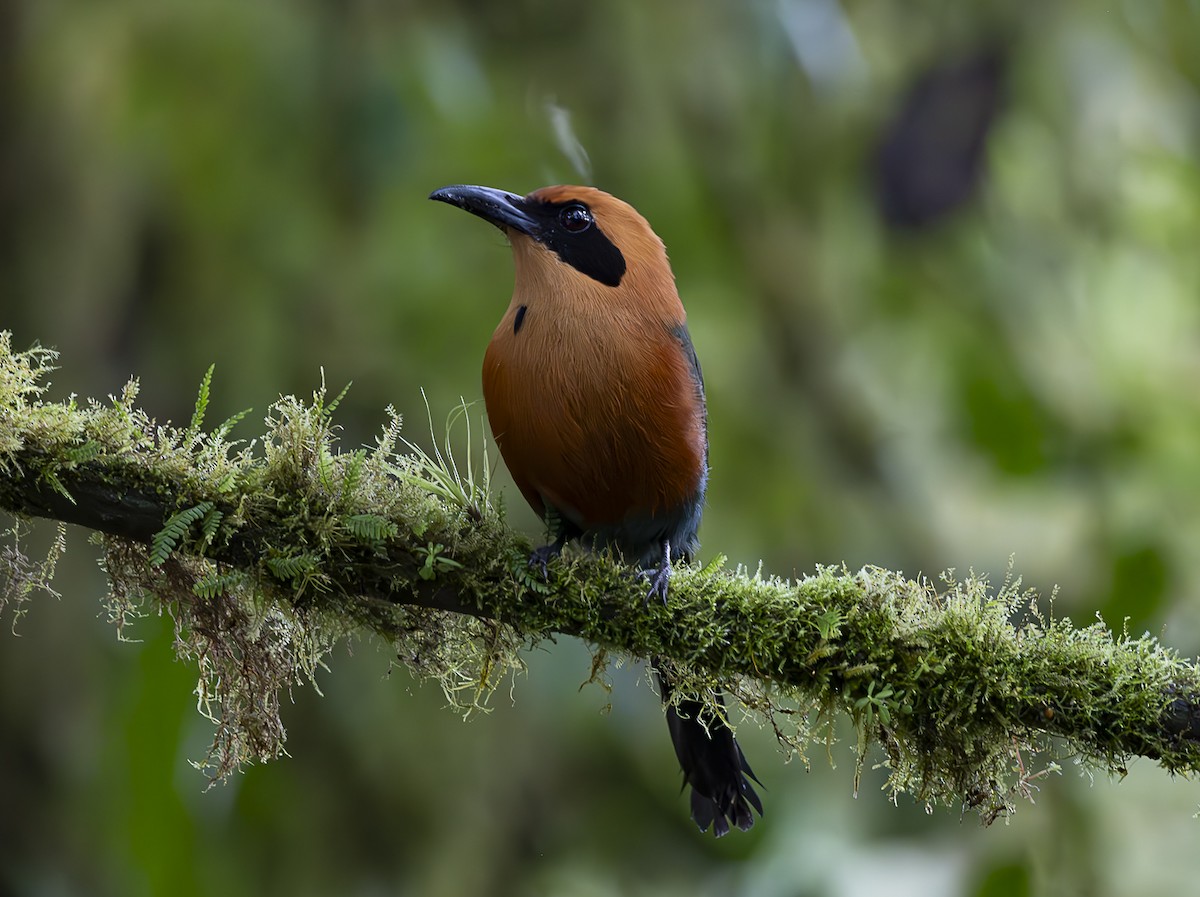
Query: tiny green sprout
[(875, 703), (435, 561), (926, 665)]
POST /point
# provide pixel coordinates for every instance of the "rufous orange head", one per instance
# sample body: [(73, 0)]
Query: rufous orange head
[(578, 244)]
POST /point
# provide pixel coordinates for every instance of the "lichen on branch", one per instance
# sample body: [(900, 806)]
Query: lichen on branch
[(267, 553)]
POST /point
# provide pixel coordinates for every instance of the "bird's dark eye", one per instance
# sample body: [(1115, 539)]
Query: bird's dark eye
[(575, 219)]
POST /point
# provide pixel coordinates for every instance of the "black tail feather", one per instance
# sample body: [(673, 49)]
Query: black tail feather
[(713, 764)]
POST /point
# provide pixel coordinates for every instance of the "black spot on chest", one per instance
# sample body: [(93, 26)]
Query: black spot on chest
[(520, 319)]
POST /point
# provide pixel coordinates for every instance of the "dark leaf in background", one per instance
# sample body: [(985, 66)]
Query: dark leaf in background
[(1005, 880), (1004, 420), (1141, 579), (931, 156)]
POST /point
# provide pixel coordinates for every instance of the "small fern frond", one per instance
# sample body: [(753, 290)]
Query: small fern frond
[(353, 473), (337, 400), (219, 583), (325, 465), (81, 454), (291, 567), (370, 528), (193, 429), (210, 525), (325, 409), (228, 424), (177, 525)]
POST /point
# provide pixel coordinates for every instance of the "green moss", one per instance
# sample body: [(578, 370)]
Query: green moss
[(268, 553)]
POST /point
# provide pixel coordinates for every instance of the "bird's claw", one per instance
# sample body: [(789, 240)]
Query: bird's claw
[(540, 558), (659, 577)]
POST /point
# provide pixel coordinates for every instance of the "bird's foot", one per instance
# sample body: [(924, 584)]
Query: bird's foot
[(562, 531), (658, 576), (540, 558)]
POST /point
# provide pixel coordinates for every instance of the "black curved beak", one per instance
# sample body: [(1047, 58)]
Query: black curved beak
[(500, 207)]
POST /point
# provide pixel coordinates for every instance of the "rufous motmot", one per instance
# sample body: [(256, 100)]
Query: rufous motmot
[(596, 401)]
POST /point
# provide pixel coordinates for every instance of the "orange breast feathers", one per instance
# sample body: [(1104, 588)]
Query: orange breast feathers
[(591, 395)]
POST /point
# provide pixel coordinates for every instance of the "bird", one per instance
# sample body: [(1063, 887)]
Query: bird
[(595, 398)]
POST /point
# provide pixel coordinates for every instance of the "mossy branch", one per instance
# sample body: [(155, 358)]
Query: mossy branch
[(267, 553)]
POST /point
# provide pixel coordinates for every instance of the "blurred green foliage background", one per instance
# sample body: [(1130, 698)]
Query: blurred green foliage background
[(941, 269)]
